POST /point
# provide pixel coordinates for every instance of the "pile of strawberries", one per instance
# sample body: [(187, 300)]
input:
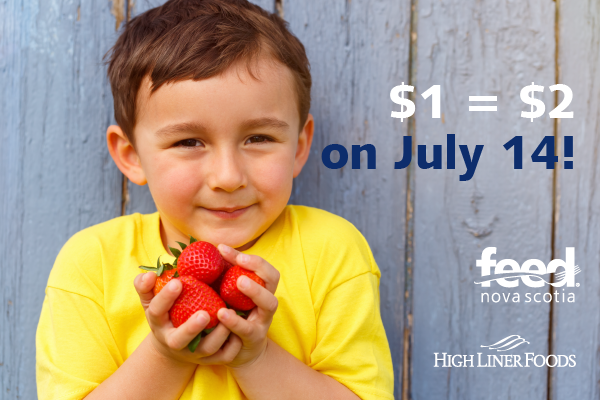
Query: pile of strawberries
[(208, 282)]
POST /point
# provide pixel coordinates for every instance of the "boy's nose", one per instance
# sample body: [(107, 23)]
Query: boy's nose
[(226, 172)]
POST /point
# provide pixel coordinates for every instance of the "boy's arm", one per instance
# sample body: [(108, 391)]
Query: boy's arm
[(161, 366), (279, 375), (146, 374), (263, 369)]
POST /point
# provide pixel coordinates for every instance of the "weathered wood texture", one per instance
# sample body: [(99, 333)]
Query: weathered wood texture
[(358, 51), (480, 48), (56, 176), (576, 326)]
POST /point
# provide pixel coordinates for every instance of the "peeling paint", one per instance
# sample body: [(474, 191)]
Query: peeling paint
[(118, 10), (279, 8), (478, 229)]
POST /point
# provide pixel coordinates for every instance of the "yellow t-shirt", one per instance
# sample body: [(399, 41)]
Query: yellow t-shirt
[(328, 315)]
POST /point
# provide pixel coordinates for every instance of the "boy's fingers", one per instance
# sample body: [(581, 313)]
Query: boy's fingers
[(265, 301), (235, 323), (257, 264), (212, 342), (144, 283), (162, 302), (226, 354), (228, 253), (181, 336)]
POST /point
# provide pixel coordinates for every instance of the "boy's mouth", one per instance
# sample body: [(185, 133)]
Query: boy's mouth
[(228, 212)]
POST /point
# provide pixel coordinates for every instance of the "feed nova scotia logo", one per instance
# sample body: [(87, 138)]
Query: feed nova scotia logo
[(498, 359), (533, 273)]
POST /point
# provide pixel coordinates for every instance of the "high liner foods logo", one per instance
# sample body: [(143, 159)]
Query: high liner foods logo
[(533, 273), (525, 360)]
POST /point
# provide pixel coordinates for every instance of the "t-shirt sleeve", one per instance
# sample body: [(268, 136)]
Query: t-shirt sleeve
[(351, 344), (75, 350)]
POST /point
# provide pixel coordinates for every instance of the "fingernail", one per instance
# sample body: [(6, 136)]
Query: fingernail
[(202, 318), (244, 258), (244, 282), (173, 286), (224, 248), (223, 314), (144, 278)]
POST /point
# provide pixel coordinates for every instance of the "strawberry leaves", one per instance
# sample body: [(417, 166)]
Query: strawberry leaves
[(159, 269), (193, 345), (175, 252)]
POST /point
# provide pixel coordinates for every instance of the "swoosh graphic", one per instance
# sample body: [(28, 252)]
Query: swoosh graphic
[(560, 275), (508, 343)]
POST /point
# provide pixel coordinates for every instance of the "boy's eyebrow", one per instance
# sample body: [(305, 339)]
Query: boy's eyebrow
[(266, 122), (182, 127), (196, 127)]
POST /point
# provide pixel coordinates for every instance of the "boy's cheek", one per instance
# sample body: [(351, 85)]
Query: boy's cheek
[(275, 177), (170, 188)]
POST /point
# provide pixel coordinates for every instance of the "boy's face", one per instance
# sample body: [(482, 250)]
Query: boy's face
[(219, 155)]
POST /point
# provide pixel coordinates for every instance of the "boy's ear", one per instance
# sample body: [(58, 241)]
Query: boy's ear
[(304, 142), (124, 155)]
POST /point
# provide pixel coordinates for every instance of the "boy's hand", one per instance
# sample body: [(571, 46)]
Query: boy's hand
[(172, 342), (251, 331)]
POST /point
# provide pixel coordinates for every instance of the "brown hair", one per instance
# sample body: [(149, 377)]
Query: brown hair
[(198, 39)]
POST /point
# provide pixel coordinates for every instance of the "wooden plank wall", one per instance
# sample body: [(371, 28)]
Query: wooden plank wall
[(576, 327), (57, 177), (480, 48)]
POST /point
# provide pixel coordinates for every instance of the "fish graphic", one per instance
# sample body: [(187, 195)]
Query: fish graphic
[(508, 343)]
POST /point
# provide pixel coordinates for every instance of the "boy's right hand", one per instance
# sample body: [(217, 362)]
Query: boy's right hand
[(172, 342)]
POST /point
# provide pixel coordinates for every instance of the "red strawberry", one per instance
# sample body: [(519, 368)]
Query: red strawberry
[(195, 296), (216, 285), (164, 273), (201, 260), (230, 292), (162, 280)]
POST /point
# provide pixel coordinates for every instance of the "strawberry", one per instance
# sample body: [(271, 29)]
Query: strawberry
[(199, 259), (164, 273), (216, 285), (195, 296), (162, 280), (231, 294)]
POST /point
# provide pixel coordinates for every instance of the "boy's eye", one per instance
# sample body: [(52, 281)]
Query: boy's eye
[(189, 143), (258, 139)]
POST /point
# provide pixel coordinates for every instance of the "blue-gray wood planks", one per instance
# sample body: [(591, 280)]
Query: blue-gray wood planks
[(56, 175), (576, 327), (474, 48)]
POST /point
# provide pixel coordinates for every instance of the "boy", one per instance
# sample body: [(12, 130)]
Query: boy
[(211, 100)]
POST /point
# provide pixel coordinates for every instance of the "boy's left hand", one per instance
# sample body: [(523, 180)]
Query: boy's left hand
[(253, 330)]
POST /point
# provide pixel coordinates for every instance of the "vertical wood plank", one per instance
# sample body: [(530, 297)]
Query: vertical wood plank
[(138, 198), (576, 326), (480, 48), (358, 51), (57, 176)]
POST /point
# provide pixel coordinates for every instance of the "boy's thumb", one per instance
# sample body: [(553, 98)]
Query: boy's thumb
[(144, 283)]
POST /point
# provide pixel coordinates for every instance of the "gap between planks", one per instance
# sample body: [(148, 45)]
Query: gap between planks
[(406, 392), (555, 193)]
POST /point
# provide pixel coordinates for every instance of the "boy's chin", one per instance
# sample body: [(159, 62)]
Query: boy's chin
[(232, 238)]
